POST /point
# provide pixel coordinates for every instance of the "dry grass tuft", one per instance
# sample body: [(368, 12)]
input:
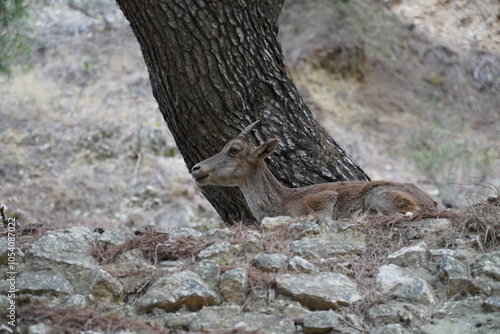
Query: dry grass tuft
[(483, 219), (26, 235), (68, 321), (275, 241), (387, 234), (155, 247)]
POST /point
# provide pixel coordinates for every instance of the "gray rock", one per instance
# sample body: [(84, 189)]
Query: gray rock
[(103, 286), (233, 285), (344, 267), (451, 268), (132, 270), (70, 247), (322, 249), (391, 276), (488, 265), (390, 329), (492, 304), (472, 324), (291, 308), (394, 312), (412, 256), (303, 229), (179, 320), (230, 318), (179, 289), (218, 234), (251, 247), (213, 317), (41, 282), (270, 262), (4, 300), (83, 231), (457, 308), (185, 232), (436, 255), (474, 241), (221, 252), (275, 223), (344, 231), (129, 261), (431, 228), (114, 237), (321, 291), (351, 324), (208, 270), (40, 328), (439, 253), (417, 291), (458, 280), (171, 266), (321, 322), (301, 265), (487, 268), (471, 286), (76, 302)]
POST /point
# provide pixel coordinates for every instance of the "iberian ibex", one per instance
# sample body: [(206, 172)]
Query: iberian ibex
[(241, 164)]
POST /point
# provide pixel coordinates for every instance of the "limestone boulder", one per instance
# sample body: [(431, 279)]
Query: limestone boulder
[(299, 264), (233, 285), (487, 269), (308, 228), (460, 307), (179, 289), (275, 223), (412, 256), (43, 282), (482, 323), (208, 271), (270, 262), (221, 252), (71, 247), (321, 322), (456, 275), (406, 284), (319, 291), (394, 312), (210, 319)]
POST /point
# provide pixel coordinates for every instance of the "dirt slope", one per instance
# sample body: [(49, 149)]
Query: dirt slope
[(82, 141)]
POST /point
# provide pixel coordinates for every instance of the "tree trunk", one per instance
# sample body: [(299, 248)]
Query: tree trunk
[(217, 66)]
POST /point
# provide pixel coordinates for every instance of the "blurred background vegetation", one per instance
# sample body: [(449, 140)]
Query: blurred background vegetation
[(16, 34), (409, 89)]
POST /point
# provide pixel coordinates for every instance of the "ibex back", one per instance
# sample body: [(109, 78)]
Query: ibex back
[(241, 164)]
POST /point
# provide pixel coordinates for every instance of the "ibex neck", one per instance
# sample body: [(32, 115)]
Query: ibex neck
[(264, 194)]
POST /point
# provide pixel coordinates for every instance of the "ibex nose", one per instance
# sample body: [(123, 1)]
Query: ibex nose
[(195, 168)]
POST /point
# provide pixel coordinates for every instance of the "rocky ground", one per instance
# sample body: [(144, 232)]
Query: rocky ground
[(112, 228), (83, 144), (434, 272)]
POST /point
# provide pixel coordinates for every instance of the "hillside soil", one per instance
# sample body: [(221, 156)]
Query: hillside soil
[(410, 90)]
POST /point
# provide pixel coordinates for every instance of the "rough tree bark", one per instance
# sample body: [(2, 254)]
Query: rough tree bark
[(216, 66)]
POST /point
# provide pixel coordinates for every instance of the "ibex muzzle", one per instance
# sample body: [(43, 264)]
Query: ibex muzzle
[(241, 164)]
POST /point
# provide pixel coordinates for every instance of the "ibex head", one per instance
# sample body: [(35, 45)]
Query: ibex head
[(235, 163)]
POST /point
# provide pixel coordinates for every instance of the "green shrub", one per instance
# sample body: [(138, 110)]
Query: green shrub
[(15, 34)]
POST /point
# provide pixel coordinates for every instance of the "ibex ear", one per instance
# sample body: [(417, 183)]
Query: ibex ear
[(264, 150)]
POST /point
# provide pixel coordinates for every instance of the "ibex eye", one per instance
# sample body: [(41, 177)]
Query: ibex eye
[(233, 151)]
